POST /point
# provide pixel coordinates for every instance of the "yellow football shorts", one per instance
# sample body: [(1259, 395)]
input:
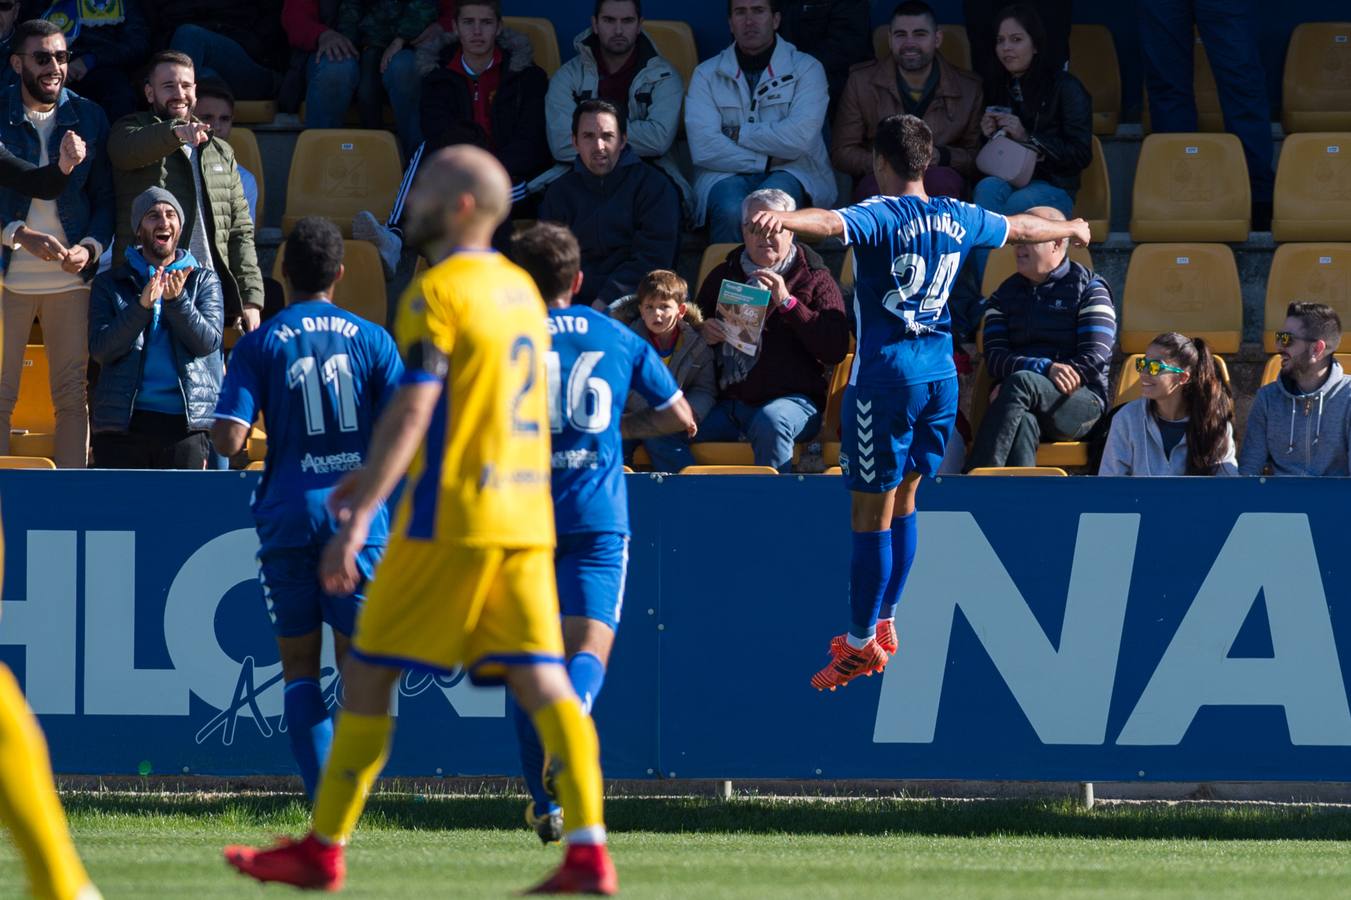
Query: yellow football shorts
[(435, 606)]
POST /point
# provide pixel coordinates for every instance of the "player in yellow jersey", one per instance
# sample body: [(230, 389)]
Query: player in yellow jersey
[(29, 806), (468, 577)]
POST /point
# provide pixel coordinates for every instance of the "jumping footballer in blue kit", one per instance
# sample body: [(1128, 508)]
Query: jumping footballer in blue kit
[(319, 376), (594, 362), (901, 404)]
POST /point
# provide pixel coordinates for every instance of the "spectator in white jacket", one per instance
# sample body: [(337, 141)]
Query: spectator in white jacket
[(1183, 423), (617, 63), (753, 116)]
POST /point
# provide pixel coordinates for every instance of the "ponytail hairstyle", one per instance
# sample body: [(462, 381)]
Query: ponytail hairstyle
[(1210, 407)]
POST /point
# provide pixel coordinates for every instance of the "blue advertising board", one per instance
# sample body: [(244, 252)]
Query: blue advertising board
[(1052, 629)]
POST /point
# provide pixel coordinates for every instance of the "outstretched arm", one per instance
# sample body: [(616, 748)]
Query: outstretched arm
[(1029, 229), (655, 422), (813, 224)]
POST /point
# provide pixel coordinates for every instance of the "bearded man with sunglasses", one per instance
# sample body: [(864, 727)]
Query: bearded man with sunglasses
[(1049, 332), (1300, 424), (51, 247)]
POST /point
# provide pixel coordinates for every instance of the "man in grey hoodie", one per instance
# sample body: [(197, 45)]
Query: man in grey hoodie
[(1300, 424)]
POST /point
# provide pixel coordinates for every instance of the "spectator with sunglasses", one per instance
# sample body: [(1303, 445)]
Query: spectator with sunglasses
[(1049, 331), (1183, 422), (1300, 424), (51, 248)]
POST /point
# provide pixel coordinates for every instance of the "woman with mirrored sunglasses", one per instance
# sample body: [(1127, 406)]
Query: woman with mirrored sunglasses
[(1183, 422)]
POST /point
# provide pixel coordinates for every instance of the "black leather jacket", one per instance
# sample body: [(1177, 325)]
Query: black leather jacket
[(1059, 123), (117, 340)]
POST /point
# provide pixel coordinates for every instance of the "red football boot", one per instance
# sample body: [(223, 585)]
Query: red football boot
[(586, 869), (847, 663), (308, 864), (886, 636)]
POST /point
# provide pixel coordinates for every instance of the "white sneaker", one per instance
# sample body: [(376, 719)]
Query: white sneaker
[(365, 227)]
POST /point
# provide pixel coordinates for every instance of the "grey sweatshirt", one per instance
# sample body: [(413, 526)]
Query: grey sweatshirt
[(1135, 447), (1299, 434)]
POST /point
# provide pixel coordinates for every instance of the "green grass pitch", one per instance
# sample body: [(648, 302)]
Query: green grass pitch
[(168, 846)]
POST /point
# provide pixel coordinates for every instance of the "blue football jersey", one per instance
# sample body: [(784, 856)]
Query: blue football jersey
[(907, 253), (594, 363), (320, 376)]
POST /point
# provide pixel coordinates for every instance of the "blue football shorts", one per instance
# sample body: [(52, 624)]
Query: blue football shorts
[(889, 431), (296, 602), (591, 570)]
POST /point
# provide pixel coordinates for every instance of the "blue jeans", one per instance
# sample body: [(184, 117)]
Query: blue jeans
[(724, 202), (669, 452), (330, 86), (997, 195), (772, 429), (1228, 32), (214, 54)]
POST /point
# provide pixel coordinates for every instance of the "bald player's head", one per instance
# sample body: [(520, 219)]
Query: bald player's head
[(1036, 262), (459, 198)]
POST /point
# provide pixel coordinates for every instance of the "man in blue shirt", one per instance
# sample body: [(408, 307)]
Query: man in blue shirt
[(594, 362), (901, 403), (319, 376)]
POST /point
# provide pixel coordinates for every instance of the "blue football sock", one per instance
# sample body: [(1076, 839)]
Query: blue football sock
[(904, 539), (587, 673), (532, 760), (869, 573), (309, 727)]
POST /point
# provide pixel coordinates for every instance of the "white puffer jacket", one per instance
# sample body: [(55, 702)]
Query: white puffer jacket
[(780, 124)]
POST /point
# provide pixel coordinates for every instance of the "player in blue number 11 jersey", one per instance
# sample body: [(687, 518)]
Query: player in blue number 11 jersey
[(319, 376), (901, 403), (593, 363)]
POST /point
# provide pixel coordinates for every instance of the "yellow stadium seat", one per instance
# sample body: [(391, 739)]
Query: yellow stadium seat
[(1128, 387), (1094, 200), (714, 256), (1002, 264), (26, 462), (1191, 187), (847, 274), (1188, 288), (1024, 472), (1209, 118), (362, 289), (1316, 89), (338, 172), (256, 445), (1309, 272), (628, 471), (715, 453), (247, 156), (1273, 367), (675, 42), (1050, 453), (1313, 188), (33, 423), (729, 470), (1093, 61), (256, 466), (956, 47), (254, 112), (833, 470), (543, 40)]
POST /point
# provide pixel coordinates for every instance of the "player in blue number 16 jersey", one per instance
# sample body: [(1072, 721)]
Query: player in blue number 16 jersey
[(593, 364), (319, 376), (901, 403)]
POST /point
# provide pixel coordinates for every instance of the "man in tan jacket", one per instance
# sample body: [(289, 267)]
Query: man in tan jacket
[(915, 79)]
